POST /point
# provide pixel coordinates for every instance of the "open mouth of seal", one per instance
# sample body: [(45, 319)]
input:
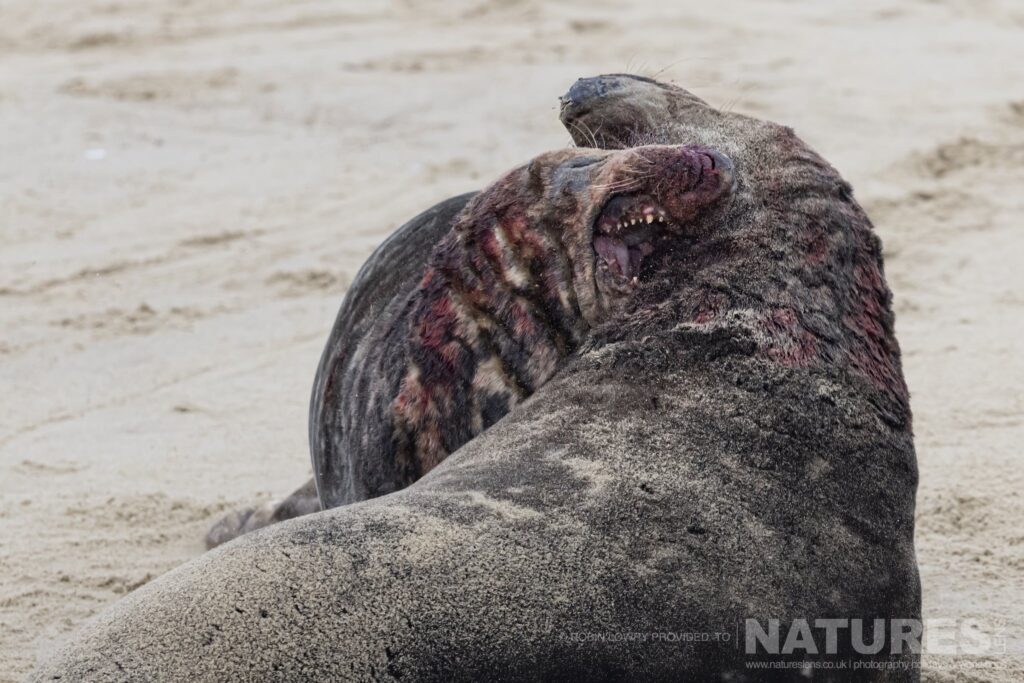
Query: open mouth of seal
[(629, 229), (632, 227)]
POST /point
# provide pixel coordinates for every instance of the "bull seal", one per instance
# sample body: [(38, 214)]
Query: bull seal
[(735, 445)]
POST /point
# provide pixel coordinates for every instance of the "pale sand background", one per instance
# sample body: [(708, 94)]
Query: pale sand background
[(188, 187)]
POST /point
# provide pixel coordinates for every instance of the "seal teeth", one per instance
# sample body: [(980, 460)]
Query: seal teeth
[(650, 219)]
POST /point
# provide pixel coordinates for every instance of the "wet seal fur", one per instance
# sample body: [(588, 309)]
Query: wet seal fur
[(735, 445)]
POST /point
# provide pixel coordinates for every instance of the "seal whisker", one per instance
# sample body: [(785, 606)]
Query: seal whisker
[(587, 132)]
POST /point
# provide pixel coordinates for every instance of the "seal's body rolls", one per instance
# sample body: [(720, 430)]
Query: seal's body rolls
[(735, 445), (558, 544)]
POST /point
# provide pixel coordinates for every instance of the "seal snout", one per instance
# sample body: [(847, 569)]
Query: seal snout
[(684, 178), (580, 96), (596, 94), (668, 187), (684, 168)]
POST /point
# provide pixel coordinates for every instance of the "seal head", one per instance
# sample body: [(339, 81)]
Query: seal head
[(795, 260)]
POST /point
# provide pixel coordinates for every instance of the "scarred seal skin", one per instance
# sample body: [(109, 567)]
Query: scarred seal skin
[(807, 270), (389, 274), (734, 444), (530, 266)]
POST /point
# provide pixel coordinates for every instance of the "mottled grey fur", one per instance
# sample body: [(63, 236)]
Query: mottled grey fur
[(381, 288), (384, 281)]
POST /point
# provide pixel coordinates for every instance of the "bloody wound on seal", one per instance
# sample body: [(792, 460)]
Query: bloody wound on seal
[(536, 260)]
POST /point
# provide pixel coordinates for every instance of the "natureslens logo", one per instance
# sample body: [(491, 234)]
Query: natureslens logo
[(872, 637)]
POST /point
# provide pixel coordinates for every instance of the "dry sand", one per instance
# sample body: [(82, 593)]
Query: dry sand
[(186, 189)]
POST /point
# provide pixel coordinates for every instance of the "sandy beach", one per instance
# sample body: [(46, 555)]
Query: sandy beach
[(186, 190)]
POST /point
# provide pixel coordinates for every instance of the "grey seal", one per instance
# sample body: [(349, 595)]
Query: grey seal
[(735, 445)]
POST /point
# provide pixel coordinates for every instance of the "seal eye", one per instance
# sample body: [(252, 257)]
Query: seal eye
[(582, 162)]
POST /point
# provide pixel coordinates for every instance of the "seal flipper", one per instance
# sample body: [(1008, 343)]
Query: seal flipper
[(302, 501)]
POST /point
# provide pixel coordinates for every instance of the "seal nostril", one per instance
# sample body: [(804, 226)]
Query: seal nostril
[(719, 163), (585, 91)]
